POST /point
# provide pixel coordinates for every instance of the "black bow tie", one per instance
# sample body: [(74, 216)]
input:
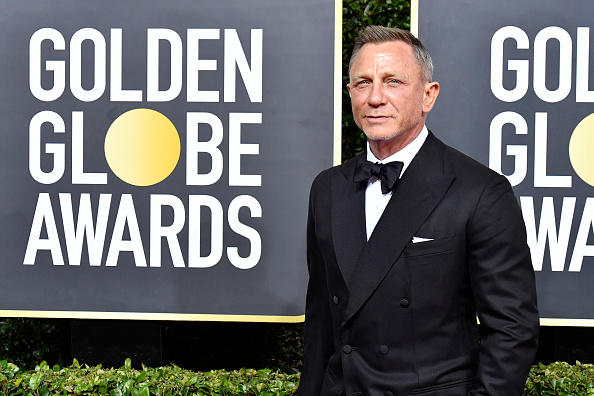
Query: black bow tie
[(387, 173)]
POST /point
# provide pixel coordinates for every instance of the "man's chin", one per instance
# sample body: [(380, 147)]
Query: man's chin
[(380, 136)]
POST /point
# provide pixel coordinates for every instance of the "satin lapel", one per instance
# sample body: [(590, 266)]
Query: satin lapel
[(418, 192), (348, 218)]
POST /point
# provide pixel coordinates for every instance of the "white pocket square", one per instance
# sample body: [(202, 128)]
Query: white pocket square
[(419, 240)]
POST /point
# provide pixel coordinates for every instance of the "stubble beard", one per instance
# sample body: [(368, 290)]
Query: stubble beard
[(381, 138), (401, 131)]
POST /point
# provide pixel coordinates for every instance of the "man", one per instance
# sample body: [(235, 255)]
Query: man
[(398, 277)]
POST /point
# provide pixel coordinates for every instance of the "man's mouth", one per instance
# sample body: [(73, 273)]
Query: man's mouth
[(376, 118)]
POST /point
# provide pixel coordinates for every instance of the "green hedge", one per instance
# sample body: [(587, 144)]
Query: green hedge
[(555, 379), (165, 381), (561, 379)]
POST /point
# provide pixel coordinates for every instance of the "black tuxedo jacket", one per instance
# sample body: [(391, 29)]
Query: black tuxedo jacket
[(391, 317)]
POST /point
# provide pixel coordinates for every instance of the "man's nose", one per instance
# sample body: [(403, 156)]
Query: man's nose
[(377, 96)]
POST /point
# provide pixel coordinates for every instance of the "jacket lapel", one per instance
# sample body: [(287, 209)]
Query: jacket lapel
[(348, 218), (418, 192)]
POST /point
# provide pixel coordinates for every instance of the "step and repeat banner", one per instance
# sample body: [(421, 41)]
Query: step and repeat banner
[(517, 94), (156, 156)]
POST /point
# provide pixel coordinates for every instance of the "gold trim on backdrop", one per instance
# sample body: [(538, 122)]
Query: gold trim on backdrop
[(567, 322), (337, 82), (151, 316), (414, 17), (220, 318)]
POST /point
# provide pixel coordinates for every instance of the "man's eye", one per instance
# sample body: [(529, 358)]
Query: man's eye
[(394, 81)]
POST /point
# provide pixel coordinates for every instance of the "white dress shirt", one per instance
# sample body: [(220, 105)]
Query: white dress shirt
[(375, 201)]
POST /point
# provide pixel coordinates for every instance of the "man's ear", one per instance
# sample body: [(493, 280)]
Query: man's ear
[(349, 89), (431, 92)]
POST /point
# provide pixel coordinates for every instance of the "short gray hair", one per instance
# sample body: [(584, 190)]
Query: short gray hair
[(381, 34)]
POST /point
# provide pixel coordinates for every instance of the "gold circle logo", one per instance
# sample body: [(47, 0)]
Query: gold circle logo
[(581, 149), (142, 147)]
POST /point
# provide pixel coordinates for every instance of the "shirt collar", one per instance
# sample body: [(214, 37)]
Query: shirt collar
[(405, 155)]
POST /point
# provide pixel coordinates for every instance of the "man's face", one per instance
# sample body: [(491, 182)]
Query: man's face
[(389, 97)]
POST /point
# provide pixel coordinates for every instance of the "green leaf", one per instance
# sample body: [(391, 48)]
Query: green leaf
[(142, 391), (35, 380), (141, 377)]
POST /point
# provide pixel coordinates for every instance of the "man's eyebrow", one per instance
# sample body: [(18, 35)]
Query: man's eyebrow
[(357, 79), (359, 75), (397, 74)]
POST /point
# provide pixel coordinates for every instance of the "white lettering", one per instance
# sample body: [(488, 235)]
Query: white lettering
[(56, 150), (194, 146), (520, 152), (547, 230), (237, 149), (234, 55), (195, 260), (159, 231), (117, 94), (44, 214), (541, 179), (520, 66), (76, 64), (126, 216), (84, 226), (195, 64), (254, 237), (57, 67), (581, 248), (78, 174), (153, 94), (540, 64), (582, 66)]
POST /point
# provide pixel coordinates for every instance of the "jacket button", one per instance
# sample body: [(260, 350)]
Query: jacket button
[(335, 299), (404, 303), (347, 349), (384, 349), (388, 393)]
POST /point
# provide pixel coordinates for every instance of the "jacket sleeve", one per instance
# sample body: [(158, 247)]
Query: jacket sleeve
[(318, 340), (502, 280)]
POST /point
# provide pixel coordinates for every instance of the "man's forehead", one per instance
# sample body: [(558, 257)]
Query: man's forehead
[(386, 55)]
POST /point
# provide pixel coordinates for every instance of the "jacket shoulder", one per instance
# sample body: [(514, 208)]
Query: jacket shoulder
[(343, 170), (462, 165)]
